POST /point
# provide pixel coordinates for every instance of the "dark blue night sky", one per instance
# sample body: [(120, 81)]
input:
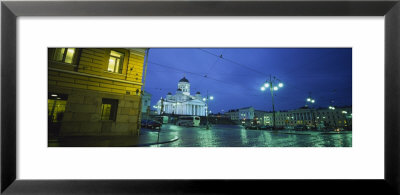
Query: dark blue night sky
[(235, 79)]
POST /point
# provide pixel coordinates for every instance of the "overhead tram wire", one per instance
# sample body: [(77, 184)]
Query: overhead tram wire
[(206, 76), (216, 61), (234, 62), (192, 73), (229, 60), (199, 75)]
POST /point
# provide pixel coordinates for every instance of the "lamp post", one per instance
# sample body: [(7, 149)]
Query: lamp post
[(206, 100), (270, 84), (312, 101), (345, 119), (162, 107), (334, 120)]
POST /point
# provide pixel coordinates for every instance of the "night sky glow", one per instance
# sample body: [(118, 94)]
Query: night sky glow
[(235, 79)]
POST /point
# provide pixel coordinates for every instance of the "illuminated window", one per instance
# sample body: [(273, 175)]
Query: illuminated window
[(65, 55), (56, 106), (109, 109), (115, 63)]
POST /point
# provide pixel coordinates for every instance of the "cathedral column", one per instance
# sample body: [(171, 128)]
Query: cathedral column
[(200, 110)]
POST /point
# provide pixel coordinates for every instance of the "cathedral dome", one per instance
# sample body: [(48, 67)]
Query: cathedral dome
[(184, 79)]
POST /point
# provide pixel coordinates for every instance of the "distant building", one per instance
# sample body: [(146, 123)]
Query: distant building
[(246, 113), (146, 102), (263, 117), (339, 117), (182, 103), (241, 115), (94, 91)]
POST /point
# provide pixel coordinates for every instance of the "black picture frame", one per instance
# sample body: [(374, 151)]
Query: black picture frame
[(10, 10)]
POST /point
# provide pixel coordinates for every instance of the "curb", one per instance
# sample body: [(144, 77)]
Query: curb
[(155, 143)]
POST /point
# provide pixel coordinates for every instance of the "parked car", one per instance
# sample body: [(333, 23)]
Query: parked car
[(266, 127), (150, 124)]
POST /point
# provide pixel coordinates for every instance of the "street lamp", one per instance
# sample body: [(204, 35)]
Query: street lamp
[(334, 120), (272, 88), (206, 100), (312, 101), (345, 118)]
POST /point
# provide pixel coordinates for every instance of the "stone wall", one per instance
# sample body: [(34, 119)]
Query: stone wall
[(87, 82)]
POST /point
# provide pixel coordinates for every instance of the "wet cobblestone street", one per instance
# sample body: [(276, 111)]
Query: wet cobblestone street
[(237, 136)]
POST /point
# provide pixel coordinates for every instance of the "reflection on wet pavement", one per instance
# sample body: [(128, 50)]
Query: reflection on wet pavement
[(237, 136)]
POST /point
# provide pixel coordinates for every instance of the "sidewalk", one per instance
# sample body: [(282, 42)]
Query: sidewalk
[(146, 138)]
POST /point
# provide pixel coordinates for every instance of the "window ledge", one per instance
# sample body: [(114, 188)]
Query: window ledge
[(63, 63), (120, 74), (95, 76)]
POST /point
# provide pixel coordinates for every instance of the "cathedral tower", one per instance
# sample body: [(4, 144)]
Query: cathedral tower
[(184, 85)]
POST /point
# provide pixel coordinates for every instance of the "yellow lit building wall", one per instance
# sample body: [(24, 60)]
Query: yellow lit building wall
[(85, 78)]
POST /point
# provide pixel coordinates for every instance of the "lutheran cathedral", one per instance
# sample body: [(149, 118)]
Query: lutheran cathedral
[(182, 103)]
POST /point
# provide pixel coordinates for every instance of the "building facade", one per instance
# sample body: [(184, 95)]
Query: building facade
[(320, 117), (146, 102), (232, 114), (182, 103), (94, 91), (244, 115)]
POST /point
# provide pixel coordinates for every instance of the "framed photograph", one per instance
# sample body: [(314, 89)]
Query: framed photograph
[(199, 97)]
